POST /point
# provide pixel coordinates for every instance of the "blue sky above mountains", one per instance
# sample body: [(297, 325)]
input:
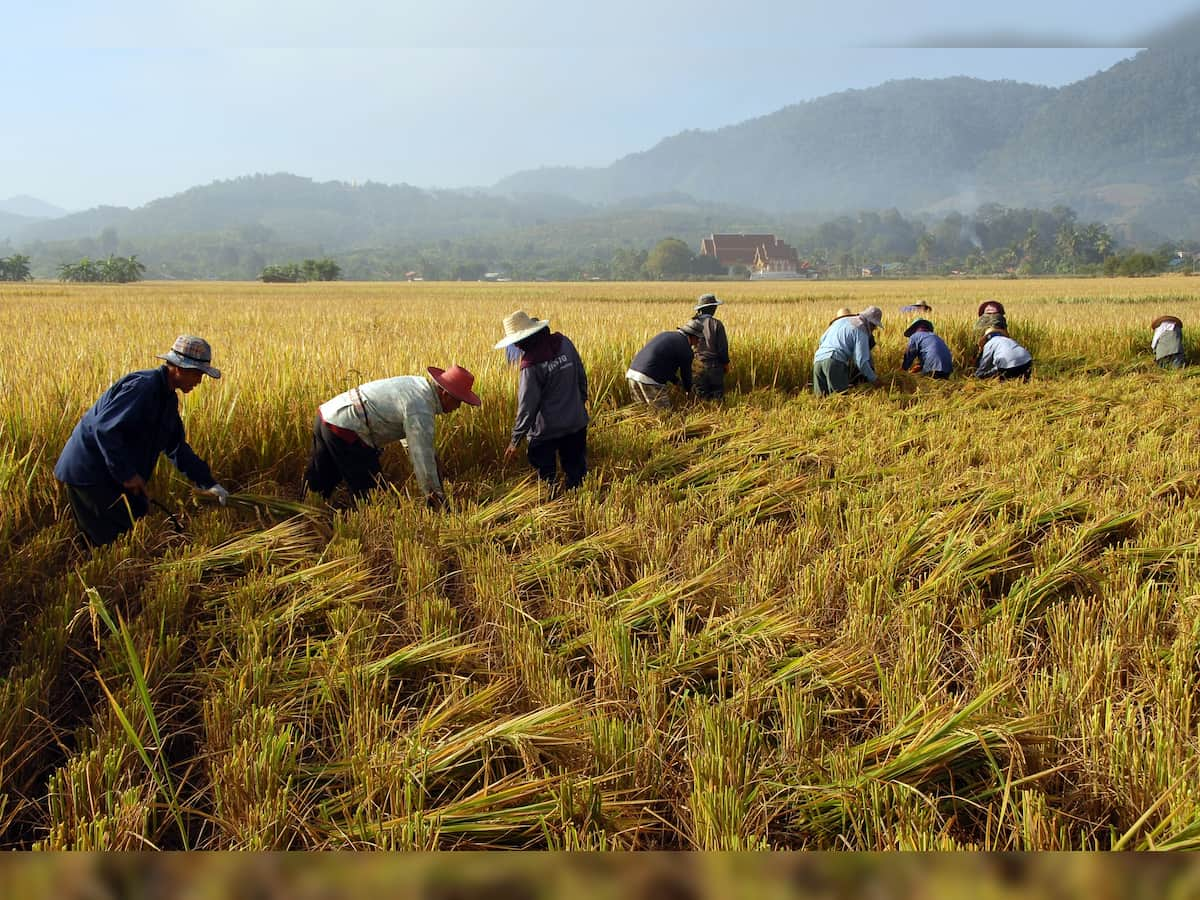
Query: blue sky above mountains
[(123, 102)]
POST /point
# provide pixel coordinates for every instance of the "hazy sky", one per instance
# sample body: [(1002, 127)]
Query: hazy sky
[(130, 100)]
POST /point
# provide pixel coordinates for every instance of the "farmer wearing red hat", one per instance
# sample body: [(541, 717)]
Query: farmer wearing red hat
[(351, 430)]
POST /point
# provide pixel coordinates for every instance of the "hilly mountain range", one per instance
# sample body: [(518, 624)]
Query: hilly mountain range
[(1122, 146)]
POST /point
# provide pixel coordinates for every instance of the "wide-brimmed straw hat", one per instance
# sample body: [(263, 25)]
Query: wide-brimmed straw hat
[(191, 352), (873, 316), (518, 326), (841, 314), (707, 300), (919, 306), (1161, 319), (455, 381), (915, 324)]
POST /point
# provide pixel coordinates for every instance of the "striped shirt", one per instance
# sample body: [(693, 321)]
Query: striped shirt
[(393, 409)]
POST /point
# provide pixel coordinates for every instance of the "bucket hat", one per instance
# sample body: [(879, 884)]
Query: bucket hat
[(706, 300), (873, 316), (692, 328), (455, 381), (917, 323), (841, 314), (996, 303), (518, 326), (191, 352)]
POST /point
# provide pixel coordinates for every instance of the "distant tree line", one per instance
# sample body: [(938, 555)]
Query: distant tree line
[(309, 270), (638, 244), (15, 268), (111, 270)]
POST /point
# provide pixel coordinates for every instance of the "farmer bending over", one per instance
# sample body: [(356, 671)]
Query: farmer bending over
[(109, 458), (845, 346), (351, 430), (1003, 358), (665, 360), (927, 350), (1167, 342)]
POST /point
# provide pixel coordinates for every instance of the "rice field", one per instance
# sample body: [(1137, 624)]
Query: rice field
[(928, 615)]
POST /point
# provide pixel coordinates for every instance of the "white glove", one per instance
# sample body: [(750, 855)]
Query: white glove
[(220, 493)]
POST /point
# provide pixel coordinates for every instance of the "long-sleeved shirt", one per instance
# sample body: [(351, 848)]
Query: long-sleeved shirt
[(393, 409), (666, 359), (848, 341), (1167, 340), (713, 349), (930, 350), (1001, 352), (124, 432), (552, 395)]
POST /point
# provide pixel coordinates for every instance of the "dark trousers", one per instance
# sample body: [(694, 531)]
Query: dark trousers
[(1022, 371), (940, 376), (333, 460), (709, 383), (570, 449), (1174, 361), (104, 512)]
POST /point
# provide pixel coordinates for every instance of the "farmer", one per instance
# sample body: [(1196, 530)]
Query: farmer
[(926, 349), (109, 458), (665, 360), (351, 430), (713, 350), (991, 315), (1003, 358), (551, 399), (1167, 342), (845, 347), (920, 308)]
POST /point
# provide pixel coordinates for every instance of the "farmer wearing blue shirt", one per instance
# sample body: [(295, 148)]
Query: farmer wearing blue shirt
[(845, 345), (110, 456), (1002, 357), (927, 349)]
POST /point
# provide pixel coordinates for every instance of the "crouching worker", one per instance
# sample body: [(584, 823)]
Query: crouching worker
[(926, 350), (1167, 342), (665, 360), (351, 430), (551, 399), (109, 458), (1003, 358), (845, 350)]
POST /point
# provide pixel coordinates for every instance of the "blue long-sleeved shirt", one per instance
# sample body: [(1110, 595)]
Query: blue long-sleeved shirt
[(552, 395), (1001, 352), (847, 341), (124, 432), (667, 359), (930, 350)]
